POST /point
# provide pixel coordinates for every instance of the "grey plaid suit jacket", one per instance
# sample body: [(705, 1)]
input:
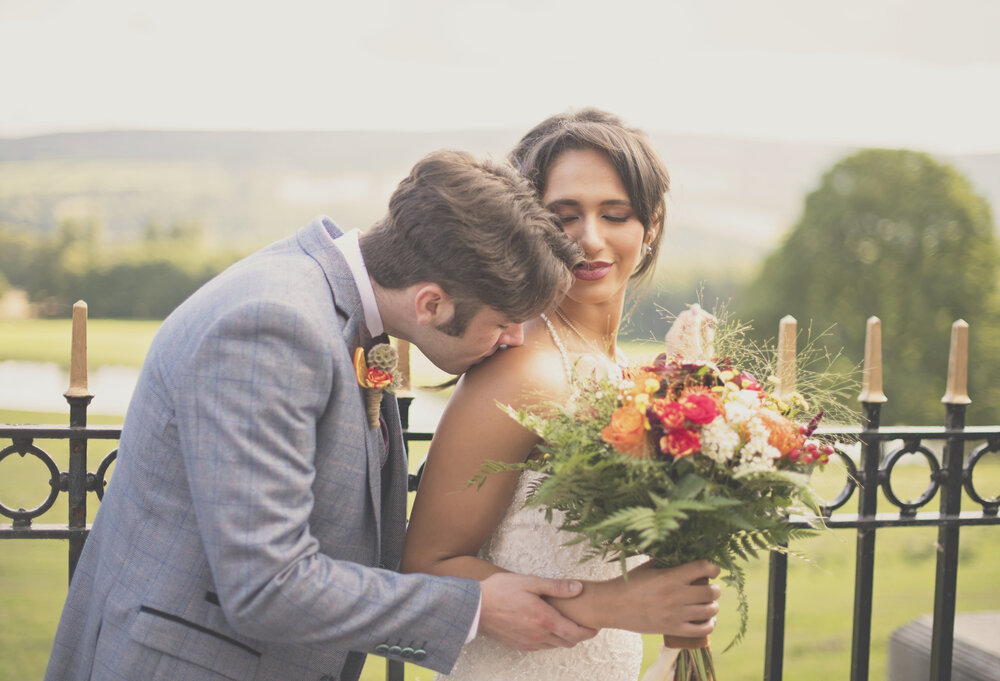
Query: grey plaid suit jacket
[(254, 521)]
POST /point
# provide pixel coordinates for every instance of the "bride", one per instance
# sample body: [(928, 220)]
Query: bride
[(607, 185)]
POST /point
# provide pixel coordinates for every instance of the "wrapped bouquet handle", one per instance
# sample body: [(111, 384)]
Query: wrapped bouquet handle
[(682, 658)]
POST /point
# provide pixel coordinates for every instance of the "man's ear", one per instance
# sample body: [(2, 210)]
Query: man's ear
[(432, 306)]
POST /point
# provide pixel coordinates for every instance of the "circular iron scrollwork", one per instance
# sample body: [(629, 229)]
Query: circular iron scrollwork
[(910, 506), (849, 484), (99, 481), (24, 448), (991, 505)]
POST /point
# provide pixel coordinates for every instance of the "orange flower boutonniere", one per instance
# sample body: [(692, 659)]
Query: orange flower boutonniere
[(376, 378)]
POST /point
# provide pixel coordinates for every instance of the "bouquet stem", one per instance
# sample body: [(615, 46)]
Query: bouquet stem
[(694, 661)]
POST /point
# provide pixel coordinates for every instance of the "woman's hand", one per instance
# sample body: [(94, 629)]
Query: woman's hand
[(651, 601)]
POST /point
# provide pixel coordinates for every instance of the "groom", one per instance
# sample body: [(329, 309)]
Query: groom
[(255, 519)]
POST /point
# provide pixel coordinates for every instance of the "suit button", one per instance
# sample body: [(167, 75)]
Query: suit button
[(419, 654), (381, 649), (407, 653), (395, 650)]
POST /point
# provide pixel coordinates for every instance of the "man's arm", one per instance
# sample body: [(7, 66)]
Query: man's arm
[(248, 400)]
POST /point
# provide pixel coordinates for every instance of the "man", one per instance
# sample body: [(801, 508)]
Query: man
[(256, 516)]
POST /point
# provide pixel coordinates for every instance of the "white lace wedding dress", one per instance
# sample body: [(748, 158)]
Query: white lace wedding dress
[(524, 542)]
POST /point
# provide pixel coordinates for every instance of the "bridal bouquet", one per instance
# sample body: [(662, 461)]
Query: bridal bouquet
[(679, 460)]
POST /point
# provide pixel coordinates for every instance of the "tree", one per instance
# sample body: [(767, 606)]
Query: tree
[(898, 235)]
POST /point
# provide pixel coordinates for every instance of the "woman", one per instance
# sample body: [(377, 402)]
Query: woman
[(607, 185)]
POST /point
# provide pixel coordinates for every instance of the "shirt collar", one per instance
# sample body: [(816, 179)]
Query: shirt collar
[(349, 245)]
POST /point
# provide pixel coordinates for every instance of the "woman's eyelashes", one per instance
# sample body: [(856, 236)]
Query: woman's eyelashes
[(567, 219)]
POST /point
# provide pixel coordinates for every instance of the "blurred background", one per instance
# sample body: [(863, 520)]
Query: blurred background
[(829, 161)]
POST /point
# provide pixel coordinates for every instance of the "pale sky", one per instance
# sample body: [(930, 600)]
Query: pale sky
[(912, 73)]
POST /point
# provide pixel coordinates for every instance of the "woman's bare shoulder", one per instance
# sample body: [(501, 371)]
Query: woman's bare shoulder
[(523, 375)]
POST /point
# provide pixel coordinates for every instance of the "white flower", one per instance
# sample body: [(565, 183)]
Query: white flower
[(719, 441), (737, 412), (757, 455)]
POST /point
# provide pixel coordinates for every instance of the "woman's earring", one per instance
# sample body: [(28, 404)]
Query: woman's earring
[(647, 249)]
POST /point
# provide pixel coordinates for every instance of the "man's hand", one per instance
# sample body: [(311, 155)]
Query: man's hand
[(677, 601), (514, 613)]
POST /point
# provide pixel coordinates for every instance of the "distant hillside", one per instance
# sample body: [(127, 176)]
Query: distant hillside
[(249, 188)]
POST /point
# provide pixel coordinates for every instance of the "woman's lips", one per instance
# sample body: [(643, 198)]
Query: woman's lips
[(592, 271)]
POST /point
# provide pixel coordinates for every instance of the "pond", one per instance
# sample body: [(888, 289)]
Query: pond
[(39, 386)]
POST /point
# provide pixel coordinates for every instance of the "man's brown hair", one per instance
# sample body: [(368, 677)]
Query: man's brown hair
[(476, 229)]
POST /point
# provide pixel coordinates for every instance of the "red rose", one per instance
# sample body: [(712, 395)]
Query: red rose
[(680, 442), (699, 408)]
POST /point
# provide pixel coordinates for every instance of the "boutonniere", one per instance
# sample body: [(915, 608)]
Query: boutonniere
[(376, 375)]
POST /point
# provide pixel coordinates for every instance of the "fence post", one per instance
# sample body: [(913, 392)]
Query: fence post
[(777, 581), (955, 399), (78, 397), (871, 399)]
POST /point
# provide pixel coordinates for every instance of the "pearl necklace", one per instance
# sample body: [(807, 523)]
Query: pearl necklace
[(571, 326)]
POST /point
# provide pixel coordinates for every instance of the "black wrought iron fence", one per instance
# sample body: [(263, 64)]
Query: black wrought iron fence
[(867, 472)]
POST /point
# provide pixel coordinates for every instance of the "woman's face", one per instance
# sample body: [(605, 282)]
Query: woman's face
[(584, 190)]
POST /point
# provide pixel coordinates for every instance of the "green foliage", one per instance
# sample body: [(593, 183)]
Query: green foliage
[(672, 510), (900, 236), (144, 280)]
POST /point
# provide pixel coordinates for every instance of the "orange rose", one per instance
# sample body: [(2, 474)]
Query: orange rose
[(627, 433)]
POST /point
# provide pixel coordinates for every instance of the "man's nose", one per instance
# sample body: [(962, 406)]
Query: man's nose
[(513, 335)]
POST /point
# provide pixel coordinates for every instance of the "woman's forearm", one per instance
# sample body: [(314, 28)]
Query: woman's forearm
[(593, 608), (469, 567)]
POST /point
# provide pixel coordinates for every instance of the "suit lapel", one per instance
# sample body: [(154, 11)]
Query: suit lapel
[(317, 240)]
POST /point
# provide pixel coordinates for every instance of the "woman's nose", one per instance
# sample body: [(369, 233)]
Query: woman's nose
[(589, 235)]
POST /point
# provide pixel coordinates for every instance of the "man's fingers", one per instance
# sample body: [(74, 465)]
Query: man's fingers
[(557, 588)]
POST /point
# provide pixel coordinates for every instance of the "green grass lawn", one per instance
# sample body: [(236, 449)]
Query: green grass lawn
[(109, 341), (33, 573)]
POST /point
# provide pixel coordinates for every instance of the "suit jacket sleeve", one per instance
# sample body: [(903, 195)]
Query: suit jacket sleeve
[(247, 400)]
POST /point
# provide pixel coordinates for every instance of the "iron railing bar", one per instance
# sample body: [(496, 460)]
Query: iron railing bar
[(52, 432), (777, 590), (906, 432), (853, 521), (43, 532), (946, 572), (864, 571)]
